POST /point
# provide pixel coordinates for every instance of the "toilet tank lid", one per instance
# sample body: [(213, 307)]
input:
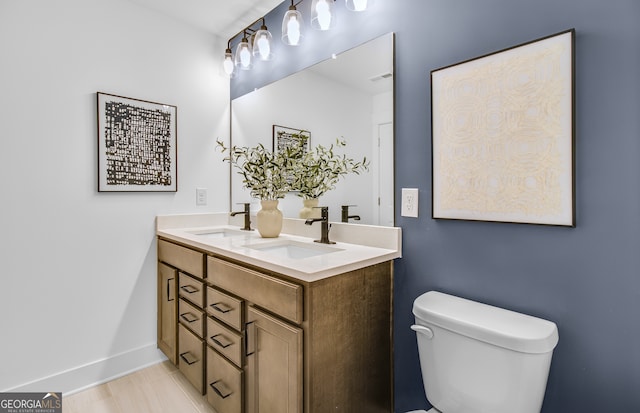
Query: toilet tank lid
[(497, 326)]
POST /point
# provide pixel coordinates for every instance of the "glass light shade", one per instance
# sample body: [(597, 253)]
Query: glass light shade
[(262, 41), (292, 27), (228, 64), (322, 14), (358, 5), (243, 55)]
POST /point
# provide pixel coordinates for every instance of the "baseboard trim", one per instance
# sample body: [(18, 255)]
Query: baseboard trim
[(91, 374)]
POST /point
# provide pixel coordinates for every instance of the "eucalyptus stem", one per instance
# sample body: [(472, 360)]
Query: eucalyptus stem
[(313, 172)]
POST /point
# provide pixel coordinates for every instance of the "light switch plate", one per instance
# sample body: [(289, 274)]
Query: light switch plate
[(409, 202), (201, 196)]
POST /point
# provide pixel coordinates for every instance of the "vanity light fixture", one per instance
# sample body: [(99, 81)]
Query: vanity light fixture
[(244, 53), (254, 44), (257, 44), (262, 41), (322, 14), (228, 65), (292, 26), (358, 5)]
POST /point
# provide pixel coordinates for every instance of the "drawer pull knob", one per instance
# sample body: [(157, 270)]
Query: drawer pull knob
[(221, 389), (189, 289), (189, 317), (221, 307), (221, 340), (188, 358)]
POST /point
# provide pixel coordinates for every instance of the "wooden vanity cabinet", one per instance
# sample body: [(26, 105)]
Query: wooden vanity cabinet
[(264, 342), (183, 324), (313, 347)]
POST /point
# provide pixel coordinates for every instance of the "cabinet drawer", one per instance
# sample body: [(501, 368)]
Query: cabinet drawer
[(224, 307), (191, 317), (224, 384), (226, 341), (180, 257), (190, 362), (191, 289), (281, 297)]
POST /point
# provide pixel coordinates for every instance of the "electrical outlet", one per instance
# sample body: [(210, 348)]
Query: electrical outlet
[(409, 202), (201, 196)]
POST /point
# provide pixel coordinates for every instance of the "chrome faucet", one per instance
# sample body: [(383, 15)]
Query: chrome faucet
[(346, 216), (324, 228), (247, 216)]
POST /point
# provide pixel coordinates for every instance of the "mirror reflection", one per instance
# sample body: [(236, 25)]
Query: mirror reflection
[(349, 97)]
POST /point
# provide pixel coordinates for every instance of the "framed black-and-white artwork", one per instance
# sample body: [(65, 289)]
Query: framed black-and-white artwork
[(137, 145), (503, 135), (284, 137)]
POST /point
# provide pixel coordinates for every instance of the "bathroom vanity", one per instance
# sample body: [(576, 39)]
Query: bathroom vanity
[(281, 325)]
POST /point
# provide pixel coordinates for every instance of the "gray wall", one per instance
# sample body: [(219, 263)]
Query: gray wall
[(586, 279)]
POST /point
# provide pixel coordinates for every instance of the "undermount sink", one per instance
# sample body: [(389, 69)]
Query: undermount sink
[(221, 233), (293, 249)]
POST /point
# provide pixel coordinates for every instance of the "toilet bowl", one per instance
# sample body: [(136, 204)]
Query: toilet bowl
[(478, 358)]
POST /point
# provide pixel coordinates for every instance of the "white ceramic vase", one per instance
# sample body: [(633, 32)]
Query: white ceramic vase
[(269, 219), (309, 209)]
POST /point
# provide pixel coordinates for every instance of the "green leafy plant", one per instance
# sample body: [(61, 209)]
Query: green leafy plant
[(263, 172), (313, 172), (318, 170)]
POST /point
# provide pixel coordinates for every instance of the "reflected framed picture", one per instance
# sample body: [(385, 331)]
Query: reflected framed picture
[(285, 137), (137, 145), (503, 135)]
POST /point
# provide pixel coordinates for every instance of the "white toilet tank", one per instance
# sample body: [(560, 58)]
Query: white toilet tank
[(477, 358)]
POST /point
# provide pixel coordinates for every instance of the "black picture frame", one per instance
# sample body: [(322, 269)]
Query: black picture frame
[(284, 137), (137, 145)]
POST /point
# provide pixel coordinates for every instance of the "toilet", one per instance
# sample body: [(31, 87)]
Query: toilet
[(476, 358)]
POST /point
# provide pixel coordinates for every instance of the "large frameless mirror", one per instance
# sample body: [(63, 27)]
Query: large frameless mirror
[(350, 97)]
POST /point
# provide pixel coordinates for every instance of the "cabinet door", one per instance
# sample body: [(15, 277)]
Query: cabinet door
[(167, 309), (274, 365)]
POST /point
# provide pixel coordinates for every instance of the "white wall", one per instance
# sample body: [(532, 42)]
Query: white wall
[(78, 267)]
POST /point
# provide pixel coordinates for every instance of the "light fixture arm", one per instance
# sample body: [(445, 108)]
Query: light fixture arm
[(245, 30)]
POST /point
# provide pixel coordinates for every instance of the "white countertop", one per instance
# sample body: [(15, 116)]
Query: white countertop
[(357, 246)]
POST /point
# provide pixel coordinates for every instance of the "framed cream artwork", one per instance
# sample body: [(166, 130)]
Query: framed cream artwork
[(503, 135)]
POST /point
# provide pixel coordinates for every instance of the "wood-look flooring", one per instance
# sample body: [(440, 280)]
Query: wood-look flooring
[(156, 389)]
